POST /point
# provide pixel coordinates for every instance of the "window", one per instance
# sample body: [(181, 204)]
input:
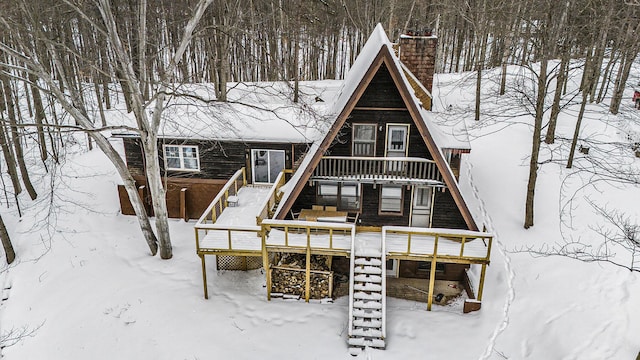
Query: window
[(391, 199), (397, 138), (345, 196), (181, 157), (327, 194), (364, 139), (349, 197), (423, 197)]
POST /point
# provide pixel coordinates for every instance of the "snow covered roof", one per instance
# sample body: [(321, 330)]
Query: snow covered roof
[(261, 111), (264, 111)]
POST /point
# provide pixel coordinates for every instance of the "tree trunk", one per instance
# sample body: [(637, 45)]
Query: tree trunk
[(555, 107), (39, 116), (535, 147), (9, 253), (576, 132), (479, 67), (158, 193), (13, 124)]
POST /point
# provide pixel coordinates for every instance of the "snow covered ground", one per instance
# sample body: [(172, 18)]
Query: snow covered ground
[(86, 288)]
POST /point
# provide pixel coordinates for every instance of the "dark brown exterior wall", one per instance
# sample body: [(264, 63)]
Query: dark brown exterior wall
[(218, 159), (418, 53), (446, 213), (218, 162), (453, 272)]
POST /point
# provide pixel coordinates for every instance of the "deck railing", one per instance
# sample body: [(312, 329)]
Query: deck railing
[(309, 235), (272, 199), (376, 168), (219, 203), (440, 243)]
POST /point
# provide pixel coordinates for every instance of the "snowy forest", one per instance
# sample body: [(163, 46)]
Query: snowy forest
[(65, 64), (70, 52)]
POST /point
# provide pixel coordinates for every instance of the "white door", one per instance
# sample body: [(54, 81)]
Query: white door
[(266, 165), (421, 211), (397, 138)]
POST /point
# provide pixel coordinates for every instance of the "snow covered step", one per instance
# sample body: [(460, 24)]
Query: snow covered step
[(366, 296), (369, 252), (368, 278), (368, 270), (355, 351), (363, 261), (364, 323), (378, 343), (367, 287), (367, 305), (367, 314), (367, 333)]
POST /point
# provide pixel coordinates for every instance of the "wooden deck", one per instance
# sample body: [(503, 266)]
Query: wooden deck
[(244, 227)]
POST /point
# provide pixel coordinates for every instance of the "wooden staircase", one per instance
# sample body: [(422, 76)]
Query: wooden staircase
[(367, 308)]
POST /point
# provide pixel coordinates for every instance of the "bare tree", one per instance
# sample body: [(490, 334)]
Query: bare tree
[(9, 253)]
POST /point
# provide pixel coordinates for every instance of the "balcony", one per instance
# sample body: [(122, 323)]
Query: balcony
[(400, 170)]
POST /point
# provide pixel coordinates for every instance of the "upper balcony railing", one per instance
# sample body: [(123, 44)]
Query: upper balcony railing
[(377, 168)]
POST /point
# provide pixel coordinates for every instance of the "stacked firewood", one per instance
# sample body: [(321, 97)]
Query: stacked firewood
[(288, 277)]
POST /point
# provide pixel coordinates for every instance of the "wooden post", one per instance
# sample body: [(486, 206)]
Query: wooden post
[(265, 262), (183, 204), (244, 176), (432, 274), (307, 285), (481, 286), (204, 277)]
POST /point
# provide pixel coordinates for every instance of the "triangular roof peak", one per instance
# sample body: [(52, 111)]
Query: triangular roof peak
[(376, 51)]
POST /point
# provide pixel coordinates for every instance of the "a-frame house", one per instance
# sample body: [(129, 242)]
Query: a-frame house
[(376, 201)]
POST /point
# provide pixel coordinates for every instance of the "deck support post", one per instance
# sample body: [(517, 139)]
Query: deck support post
[(183, 204), (204, 276), (432, 274), (265, 262), (307, 278), (481, 286)]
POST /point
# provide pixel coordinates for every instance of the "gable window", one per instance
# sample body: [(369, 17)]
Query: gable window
[(181, 157), (345, 196), (364, 140), (391, 199)]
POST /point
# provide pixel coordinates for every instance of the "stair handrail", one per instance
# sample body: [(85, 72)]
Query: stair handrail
[(383, 267), (351, 280), (272, 199), (221, 198)]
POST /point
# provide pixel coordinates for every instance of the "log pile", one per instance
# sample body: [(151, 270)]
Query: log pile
[(288, 277)]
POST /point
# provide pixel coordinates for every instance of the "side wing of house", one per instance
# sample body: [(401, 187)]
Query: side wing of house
[(195, 170), (380, 160)]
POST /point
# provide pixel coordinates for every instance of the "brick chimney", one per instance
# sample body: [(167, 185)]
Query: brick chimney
[(417, 51)]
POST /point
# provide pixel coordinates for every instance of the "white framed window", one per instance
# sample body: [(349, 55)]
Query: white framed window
[(364, 140), (266, 165), (345, 196), (391, 199), (181, 157)]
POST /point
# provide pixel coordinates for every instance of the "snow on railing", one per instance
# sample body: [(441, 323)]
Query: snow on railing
[(219, 203), (384, 284), (309, 234), (377, 168), (272, 199), (448, 243), (351, 281)]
